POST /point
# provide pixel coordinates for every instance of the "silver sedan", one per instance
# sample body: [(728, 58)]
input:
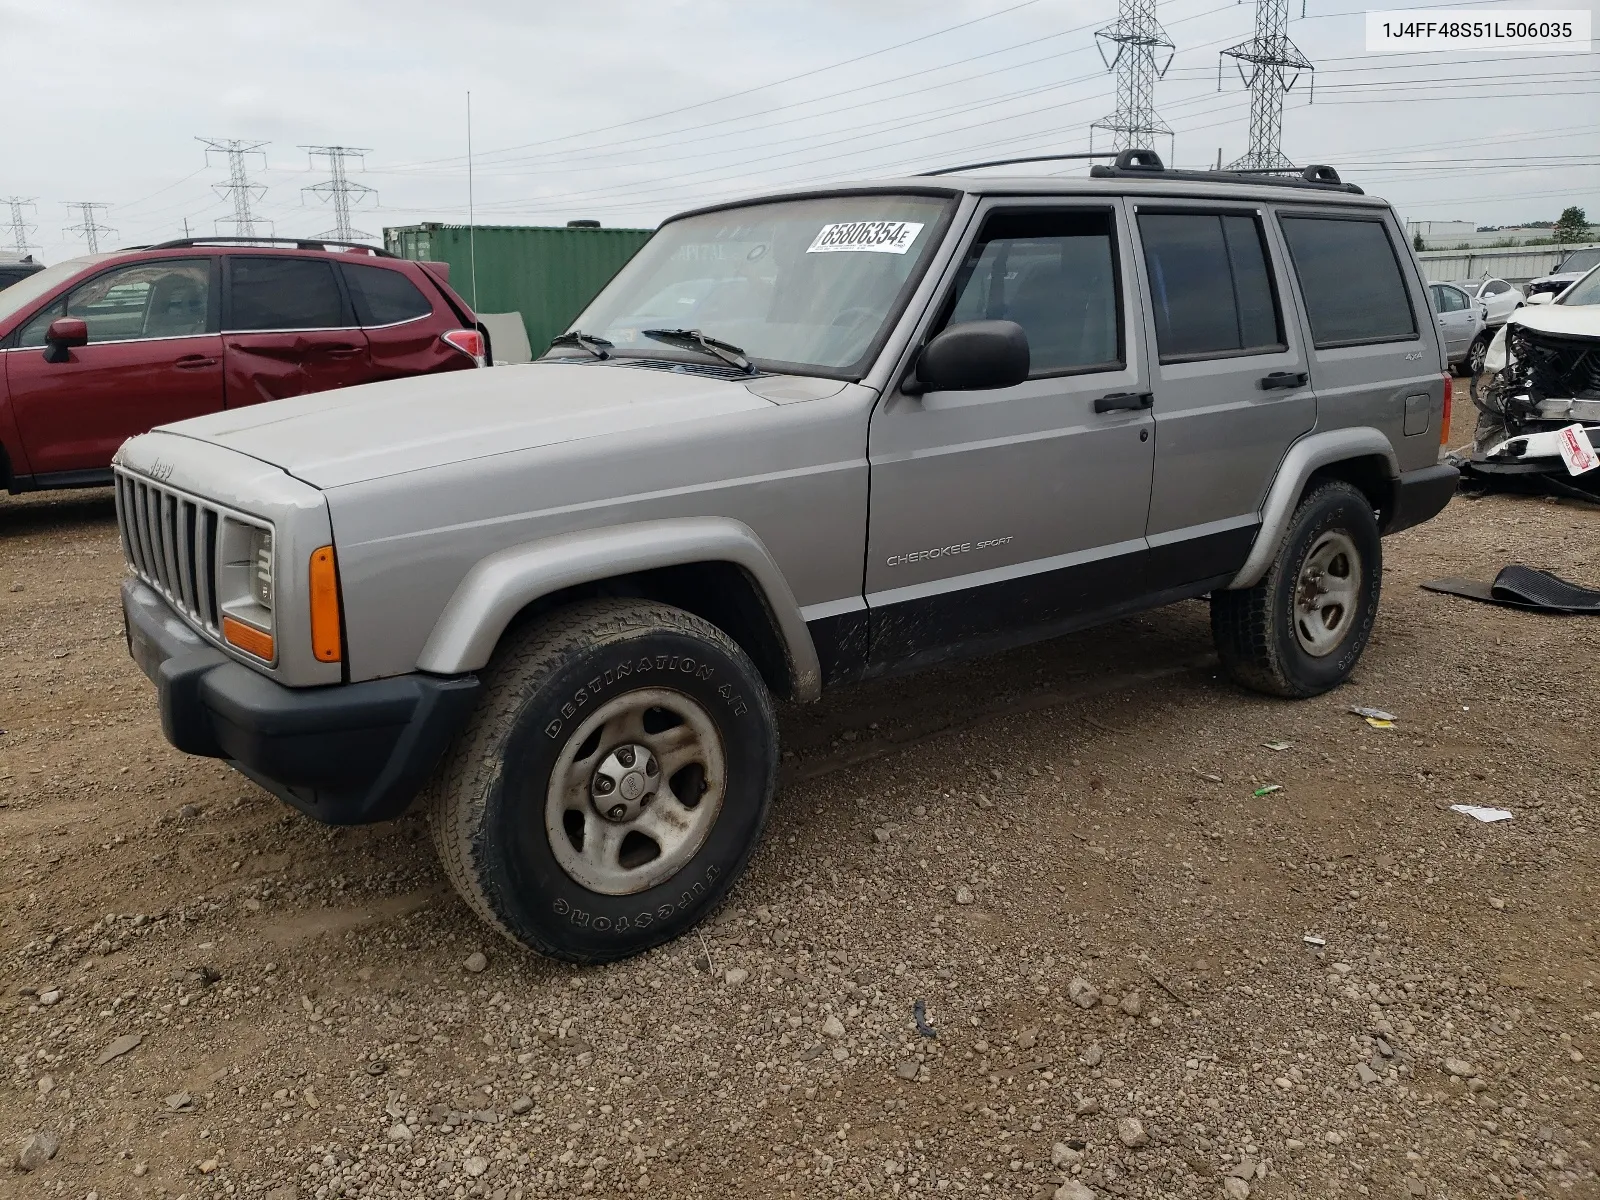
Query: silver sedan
[(1463, 325)]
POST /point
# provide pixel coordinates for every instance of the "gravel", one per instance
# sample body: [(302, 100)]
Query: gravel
[(343, 1049)]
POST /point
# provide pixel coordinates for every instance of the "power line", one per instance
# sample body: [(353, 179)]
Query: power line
[(339, 189), (20, 226), (89, 229), (238, 188)]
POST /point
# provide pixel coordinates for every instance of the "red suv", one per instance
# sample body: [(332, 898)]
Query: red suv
[(98, 349)]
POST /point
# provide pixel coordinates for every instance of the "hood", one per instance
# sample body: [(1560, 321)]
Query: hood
[(1562, 320), (329, 439)]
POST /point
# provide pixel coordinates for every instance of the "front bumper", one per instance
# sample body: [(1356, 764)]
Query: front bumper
[(346, 754), (1422, 495)]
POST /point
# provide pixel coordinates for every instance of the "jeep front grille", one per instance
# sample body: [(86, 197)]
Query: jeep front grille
[(172, 541)]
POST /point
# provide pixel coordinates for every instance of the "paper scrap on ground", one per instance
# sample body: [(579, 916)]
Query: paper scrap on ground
[(1312, 939), (1373, 714), (1379, 723), (1268, 790), (1276, 745), (1480, 813)]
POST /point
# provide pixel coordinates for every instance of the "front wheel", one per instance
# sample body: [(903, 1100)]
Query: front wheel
[(613, 783), (1302, 628)]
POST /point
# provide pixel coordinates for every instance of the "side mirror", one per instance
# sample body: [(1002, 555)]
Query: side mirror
[(64, 333), (1542, 298), (972, 356)]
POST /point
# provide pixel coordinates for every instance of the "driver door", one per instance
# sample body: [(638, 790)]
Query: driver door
[(154, 356), (1003, 515)]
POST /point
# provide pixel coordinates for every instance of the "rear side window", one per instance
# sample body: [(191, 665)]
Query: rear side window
[(1350, 280), (284, 293), (384, 297), (1210, 285), (1053, 273), (1448, 299)]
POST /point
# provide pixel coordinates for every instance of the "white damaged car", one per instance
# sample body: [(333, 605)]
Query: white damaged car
[(1541, 377)]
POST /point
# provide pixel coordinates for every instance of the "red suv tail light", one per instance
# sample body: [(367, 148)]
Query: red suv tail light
[(466, 341)]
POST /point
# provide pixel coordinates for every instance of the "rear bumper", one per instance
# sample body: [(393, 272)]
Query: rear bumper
[(346, 754), (1421, 495)]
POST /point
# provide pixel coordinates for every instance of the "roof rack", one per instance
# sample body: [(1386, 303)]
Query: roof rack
[(1009, 162), (297, 243), (1147, 163)]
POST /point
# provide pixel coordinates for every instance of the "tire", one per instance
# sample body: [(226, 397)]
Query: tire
[(1472, 365), (585, 702), (1260, 636)]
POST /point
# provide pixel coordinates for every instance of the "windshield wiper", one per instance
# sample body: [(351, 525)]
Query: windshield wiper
[(693, 339), (597, 346)]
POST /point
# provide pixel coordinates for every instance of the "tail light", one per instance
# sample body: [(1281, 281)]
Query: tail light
[(466, 341), (1444, 425)]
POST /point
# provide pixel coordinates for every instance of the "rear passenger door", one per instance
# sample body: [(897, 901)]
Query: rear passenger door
[(401, 321), (1230, 379), (288, 328), (1453, 311), (1373, 362)]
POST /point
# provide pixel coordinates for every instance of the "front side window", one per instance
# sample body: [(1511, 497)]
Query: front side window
[(1447, 299), (1053, 273), (1581, 260), (801, 285), (1210, 285), (283, 293), (1585, 291), (166, 298), (384, 297), (1349, 279), (1496, 288)]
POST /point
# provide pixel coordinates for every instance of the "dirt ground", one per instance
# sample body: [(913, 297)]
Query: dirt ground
[(978, 840)]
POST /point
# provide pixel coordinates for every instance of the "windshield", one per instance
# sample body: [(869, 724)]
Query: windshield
[(809, 286), (1582, 260), (1585, 291), (22, 294)]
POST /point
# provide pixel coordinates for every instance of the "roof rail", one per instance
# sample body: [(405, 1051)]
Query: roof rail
[(1136, 163), (1008, 162), (297, 243)]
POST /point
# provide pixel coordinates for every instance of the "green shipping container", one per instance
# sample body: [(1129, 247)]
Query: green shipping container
[(547, 273)]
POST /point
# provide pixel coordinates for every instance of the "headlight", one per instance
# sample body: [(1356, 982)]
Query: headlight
[(261, 567), (245, 587)]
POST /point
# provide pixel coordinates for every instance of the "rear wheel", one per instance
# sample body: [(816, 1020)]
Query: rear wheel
[(1476, 353), (1300, 631), (613, 783)]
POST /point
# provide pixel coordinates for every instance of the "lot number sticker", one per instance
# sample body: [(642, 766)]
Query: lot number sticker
[(875, 237), (1576, 450)]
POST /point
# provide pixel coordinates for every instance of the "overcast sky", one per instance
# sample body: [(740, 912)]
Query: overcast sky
[(627, 111)]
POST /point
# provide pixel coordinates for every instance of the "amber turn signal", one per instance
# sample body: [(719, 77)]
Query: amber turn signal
[(326, 642), (248, 638)]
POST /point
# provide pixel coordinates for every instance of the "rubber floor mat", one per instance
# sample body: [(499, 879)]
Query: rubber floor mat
[(1523, 587)]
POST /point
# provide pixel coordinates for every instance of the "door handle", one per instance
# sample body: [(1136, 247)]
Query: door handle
[(1124, 401), (1283, 381), (191, 362), (341, 351)]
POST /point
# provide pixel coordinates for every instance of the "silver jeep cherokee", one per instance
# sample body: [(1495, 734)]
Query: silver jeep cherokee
[(798, 441)]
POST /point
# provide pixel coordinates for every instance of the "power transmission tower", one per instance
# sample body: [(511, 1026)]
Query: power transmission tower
[(238, 188), (339, 189), (1140, 41), (1275, 65), (20, 227), (89, 229)]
